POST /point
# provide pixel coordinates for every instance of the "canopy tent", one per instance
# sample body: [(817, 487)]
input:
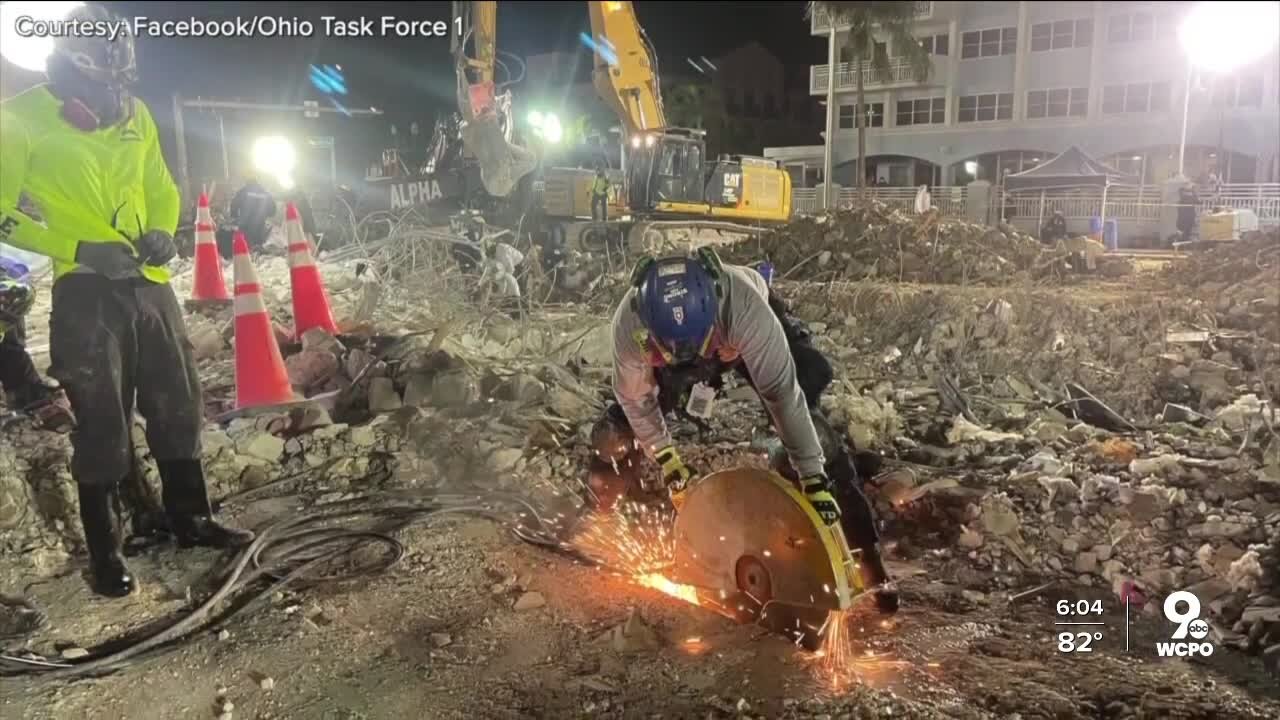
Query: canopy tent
[(1071, 169)]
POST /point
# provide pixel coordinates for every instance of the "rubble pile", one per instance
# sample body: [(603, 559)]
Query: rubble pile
[(879, 241), (1239, 280)]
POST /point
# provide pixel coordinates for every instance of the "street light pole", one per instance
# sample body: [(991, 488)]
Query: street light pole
[(1186, 106)]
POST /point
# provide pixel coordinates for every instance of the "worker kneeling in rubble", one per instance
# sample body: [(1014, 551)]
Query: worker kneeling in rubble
[(694, 315), (88, 154), (24, 389)]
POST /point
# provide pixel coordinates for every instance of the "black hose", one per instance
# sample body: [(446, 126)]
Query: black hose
[(285, 553)]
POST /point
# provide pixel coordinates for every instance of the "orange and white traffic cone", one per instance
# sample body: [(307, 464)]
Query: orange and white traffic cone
[(209, 286), (261, 378), (310, 303)]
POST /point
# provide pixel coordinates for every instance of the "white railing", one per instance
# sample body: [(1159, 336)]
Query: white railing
[(820, 22), (949, 200), (900, 71), (1137, 204)]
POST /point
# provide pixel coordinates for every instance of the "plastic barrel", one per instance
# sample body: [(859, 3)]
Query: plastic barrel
[(1111, 235), (1095, 228)]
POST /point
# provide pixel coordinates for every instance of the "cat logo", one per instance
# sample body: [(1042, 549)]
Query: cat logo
[(411, 193), (678, 313)]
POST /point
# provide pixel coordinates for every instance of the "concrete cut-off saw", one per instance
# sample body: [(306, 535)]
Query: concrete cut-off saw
[(754, 549)]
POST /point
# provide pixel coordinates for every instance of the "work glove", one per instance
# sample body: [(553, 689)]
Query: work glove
[(113, 260), (675, 474), (156, 248), (818, 491)]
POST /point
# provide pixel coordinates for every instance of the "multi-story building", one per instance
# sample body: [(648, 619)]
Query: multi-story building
[(1014, 83)]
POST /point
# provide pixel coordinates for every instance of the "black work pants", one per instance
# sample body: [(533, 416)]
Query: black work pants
[(112, 341), (17, 370)]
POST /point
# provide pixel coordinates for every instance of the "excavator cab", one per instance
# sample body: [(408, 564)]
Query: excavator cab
[(669, 171)]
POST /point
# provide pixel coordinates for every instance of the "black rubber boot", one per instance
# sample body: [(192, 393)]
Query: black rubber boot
[(186, 502), (111, 577), (875, 578)]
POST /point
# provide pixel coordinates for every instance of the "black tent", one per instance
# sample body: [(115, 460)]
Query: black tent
[(1072, 169)]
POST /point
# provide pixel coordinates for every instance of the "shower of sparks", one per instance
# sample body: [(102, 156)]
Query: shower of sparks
[(635, 541), (841, 664)]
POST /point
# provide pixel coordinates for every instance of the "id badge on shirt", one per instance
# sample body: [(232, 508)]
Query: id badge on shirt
[(702, 400)]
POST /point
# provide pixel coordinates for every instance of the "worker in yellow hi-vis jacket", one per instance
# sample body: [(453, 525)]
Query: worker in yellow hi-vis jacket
[(88, 154)]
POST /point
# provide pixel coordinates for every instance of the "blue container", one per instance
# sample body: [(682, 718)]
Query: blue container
[(766, 271), (1111, 235), (1095, 227)]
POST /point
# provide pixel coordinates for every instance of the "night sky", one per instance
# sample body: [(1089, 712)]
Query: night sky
[(406, 74), (407, 79)]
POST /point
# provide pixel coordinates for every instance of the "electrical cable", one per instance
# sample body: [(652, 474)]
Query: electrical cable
[(291, 552)]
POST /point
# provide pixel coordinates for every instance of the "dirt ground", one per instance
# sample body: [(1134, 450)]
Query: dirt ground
[(438, 637)]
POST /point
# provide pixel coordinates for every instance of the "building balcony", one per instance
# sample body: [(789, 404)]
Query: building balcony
[(900, 75), (820, 22)]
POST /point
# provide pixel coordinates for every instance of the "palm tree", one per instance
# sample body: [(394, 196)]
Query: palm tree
[(891, 20)]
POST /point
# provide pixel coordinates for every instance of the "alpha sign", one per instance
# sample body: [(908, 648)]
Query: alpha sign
[(413, 192)]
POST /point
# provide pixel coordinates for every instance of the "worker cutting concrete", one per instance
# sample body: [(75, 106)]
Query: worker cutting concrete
[(692, 318), (251, 208), (25, 391), (88, 154)]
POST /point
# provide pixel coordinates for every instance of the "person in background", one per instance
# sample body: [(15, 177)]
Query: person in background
[(600, 196), (251, 209), (1055, 229), (25, 391), (1188, 203)]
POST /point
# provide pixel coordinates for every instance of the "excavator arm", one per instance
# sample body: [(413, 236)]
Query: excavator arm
[(486, 114), (626, 73)]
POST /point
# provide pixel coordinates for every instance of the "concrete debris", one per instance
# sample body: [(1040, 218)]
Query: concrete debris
[(633, 636), (962, 431), (529, 601)]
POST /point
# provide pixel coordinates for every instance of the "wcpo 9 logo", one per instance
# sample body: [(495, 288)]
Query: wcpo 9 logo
[(1188, 637)]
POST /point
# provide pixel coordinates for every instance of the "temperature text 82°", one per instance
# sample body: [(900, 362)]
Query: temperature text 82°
[(1077, 642)]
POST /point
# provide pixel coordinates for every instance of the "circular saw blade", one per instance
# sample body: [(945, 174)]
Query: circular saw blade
[(749, 532)]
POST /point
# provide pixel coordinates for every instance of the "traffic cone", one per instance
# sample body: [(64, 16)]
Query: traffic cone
[(261, 378), (310, 303), (209, 286)]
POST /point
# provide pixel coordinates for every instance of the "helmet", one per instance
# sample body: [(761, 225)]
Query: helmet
[(99, 58), (94, 72), (16, 299), (678, 300)]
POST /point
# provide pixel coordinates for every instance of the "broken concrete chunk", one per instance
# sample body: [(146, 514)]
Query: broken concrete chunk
[(455, 388), (319, 340), (634, 635), (1161, 465), (417, 391), (311, 368), (263, 446), (383, 396), (529, 601), (962, 431)]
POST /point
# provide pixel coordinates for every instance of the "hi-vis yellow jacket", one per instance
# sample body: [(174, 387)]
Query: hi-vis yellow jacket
[(109, 185)]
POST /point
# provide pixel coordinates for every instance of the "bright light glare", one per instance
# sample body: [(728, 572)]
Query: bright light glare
[(1222, 36), (274, 155), (535, 119), (29, 53), (551, 129), (971, 167)]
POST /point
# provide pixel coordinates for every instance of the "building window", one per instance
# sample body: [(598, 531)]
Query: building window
[(936, 44), (848, 120), (874, 115), (1131, 28), (985, 108), (925, 111), (1061, 35), (1058, 102), (1135, 98), (989, 43), (1243, 91)]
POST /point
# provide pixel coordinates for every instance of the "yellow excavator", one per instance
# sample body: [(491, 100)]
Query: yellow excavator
[(665, 174)]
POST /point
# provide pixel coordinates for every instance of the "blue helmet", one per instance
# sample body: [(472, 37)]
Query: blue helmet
[(677, 300)]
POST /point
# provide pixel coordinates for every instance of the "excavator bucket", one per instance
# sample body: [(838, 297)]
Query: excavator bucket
[(486, 136), (748, 538)]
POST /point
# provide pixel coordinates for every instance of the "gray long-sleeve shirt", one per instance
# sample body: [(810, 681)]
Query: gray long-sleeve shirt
[(750, 329)]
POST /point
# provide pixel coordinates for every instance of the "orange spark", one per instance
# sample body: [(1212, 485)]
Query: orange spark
[(687, 593)]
